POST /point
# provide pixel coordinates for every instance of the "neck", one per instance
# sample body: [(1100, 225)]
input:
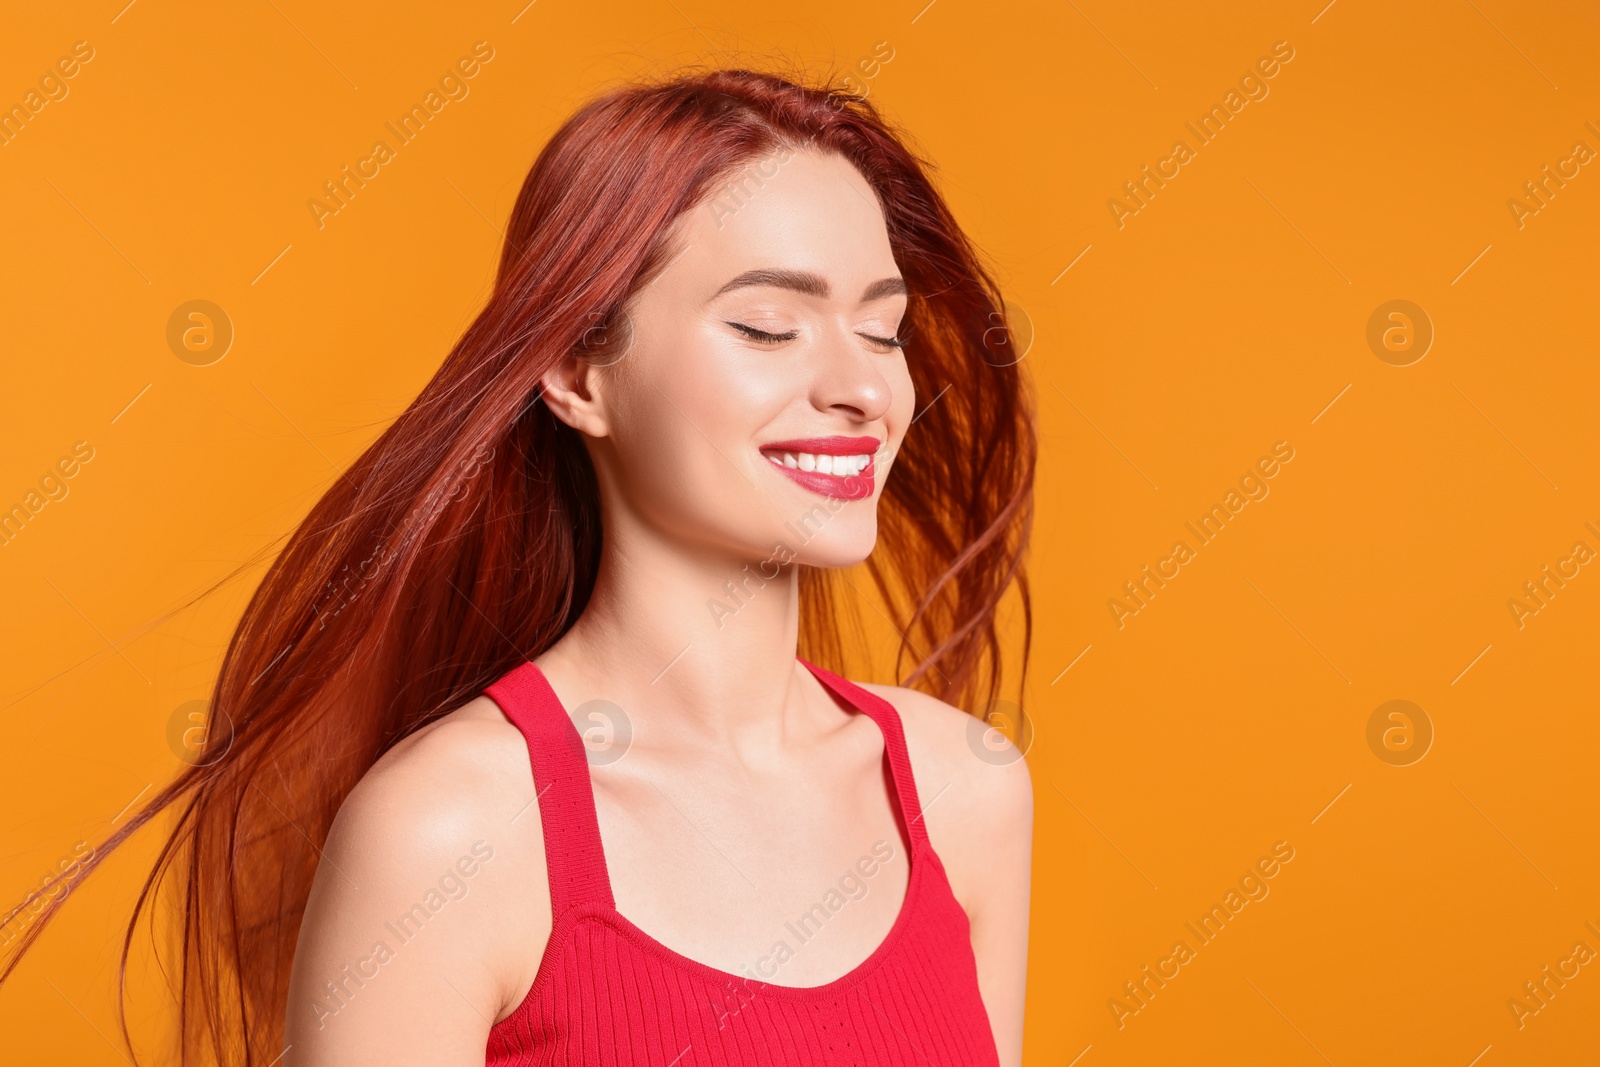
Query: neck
[(705, 636)]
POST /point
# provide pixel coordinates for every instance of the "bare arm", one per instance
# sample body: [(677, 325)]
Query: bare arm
[(430, 906), (997, 881), (978, 807)]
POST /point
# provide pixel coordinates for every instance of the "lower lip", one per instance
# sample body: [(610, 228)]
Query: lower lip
[(852, 487)]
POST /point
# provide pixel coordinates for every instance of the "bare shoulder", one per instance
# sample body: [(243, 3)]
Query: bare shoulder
[(977, 767), (430, 839), (464, 773), (977, 803)]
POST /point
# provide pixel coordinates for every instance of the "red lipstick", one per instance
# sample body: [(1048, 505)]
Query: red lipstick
[(855, 479), (829, 446)]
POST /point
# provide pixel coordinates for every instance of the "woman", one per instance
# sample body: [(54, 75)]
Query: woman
[(523, 754)]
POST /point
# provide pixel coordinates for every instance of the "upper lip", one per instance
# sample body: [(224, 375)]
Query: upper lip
[(826, 446)]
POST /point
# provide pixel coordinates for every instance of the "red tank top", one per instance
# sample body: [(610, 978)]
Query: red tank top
[(607, 993)]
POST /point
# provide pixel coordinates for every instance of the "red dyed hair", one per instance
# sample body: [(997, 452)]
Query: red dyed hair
[(466, 538)]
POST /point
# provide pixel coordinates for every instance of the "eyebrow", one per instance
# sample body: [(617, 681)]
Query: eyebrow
[(809, 283)]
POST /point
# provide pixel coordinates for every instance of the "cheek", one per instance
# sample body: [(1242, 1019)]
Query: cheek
[(686, 429), (709, 402), (903, 406)]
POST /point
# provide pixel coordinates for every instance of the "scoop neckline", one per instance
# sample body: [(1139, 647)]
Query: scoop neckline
[(609, 912), (757, 986)]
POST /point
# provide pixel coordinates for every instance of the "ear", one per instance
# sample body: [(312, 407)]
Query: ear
[(569, 392)]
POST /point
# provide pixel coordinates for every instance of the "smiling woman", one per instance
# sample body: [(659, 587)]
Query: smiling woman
[(667, 394)]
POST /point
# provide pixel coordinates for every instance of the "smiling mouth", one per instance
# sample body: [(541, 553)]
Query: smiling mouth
[(838, 467), (822, 463)]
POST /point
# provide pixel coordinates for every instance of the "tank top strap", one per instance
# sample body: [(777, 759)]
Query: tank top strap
[(563, 792), (894, 743)]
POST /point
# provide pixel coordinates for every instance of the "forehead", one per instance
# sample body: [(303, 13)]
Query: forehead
[(811, 211)]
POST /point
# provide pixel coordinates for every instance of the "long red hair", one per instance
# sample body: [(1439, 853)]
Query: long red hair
[(466, 538)]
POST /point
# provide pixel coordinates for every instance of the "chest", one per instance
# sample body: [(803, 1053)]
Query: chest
[(791, 878)]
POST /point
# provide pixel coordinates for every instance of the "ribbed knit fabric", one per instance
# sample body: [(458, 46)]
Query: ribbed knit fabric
[(609, 994)]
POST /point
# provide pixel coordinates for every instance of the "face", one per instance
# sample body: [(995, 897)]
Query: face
[(764, 393)]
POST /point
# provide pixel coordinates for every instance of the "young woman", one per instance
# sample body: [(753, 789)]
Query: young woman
[(532, 756)]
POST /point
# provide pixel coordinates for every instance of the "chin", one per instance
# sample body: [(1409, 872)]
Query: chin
[(835, 547)]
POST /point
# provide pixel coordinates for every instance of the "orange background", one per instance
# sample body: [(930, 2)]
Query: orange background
[(1228, 314)]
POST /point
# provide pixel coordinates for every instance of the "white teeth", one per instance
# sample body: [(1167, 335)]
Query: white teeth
[(837, 466)]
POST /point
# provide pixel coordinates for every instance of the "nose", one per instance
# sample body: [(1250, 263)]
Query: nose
[(848, 379)]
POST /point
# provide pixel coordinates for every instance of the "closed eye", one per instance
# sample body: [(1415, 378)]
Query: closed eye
[(772, 338), (762, 335)]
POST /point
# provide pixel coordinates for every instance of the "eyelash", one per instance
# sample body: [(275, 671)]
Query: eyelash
[(771, 338)]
